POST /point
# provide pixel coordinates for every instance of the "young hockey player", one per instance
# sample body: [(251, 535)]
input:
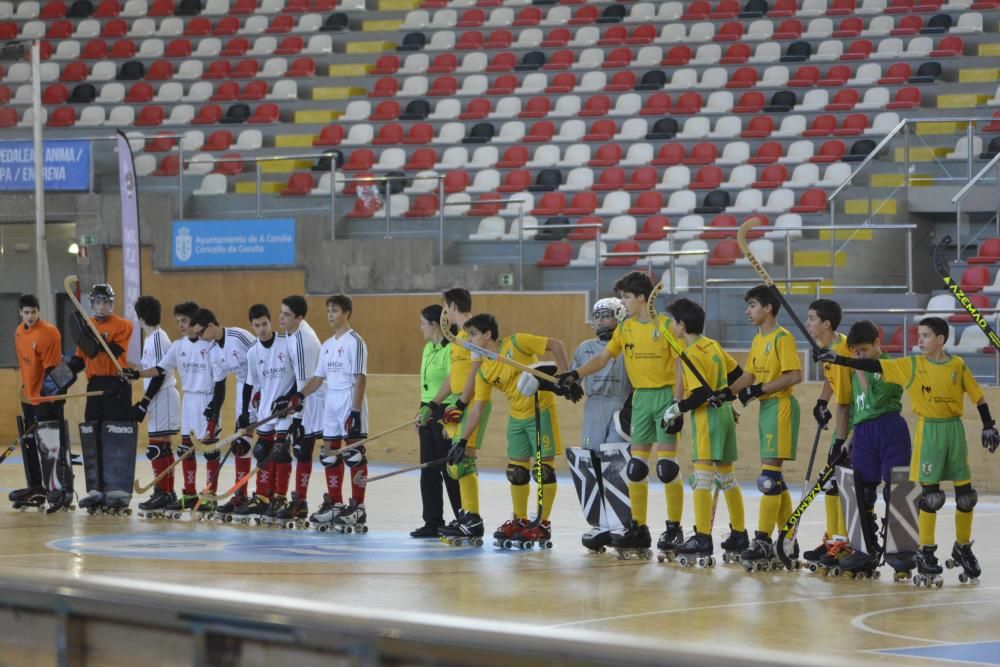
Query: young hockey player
[(822, 321), (773, 369), (649, 363), (713, 433), (936, 383), (160, 404), (343, 365)]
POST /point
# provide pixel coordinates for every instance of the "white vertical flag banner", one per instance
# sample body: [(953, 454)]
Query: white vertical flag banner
[(131, 259)]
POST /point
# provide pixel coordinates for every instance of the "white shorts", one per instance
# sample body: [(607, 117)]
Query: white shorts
[(312, 413), (163, 416), (193, 414), (281, 425), (336, 409)]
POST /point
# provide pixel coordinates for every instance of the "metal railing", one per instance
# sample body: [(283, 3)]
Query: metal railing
[(520, 250), (960, 195), (672, 268)]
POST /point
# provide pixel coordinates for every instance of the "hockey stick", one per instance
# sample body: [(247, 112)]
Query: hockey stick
[(741, 238), (361, 480), (538, 467), (35, 400), (12, 446), (229, 440), (163, 473), (942, 268), (71, 292), (492, 356)]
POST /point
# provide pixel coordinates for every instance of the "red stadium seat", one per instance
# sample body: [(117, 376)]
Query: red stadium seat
[(265, 113), (849, 28), (540, 132), (470, 41), (618, 58), (245, 69), (841, 8), (647, 203), (974, 279), (158, 144), (331, 135), (624, 246), (159, 8), (751, 101), (706, 178), (896, 74), (837, 75), (843, 100), (729, 32), (502, 62), (513, 158), (584, 15), (443, 86), (59, 30), (744, 77), (652, 229), (444, 63), (722, 220), (74, 72), (907, 25), (150, 116), (606, 156), (556, 255), (677, 56), (229, 25), (688, 103), (54, 93), (296, 6), (123, 49), (906, 98), (821, 126), (360, 160), (536, 107), (170, 165), (788, 29), (528, 16), (140, 93), (582, 233), (725, 253), (736, 54), (582, 203), (388, 135), (302, 67), (292, 45), (767, 152), (227, 91), (207, 115), (858, 50), (949, 47), (697, 11), (107, 9), (557, 37), (643, 178), (178, 48), (805, 77), (235, 48), (298, 184), (503, 85), (612, 178), (560, 60), (724, 10), (643, 34), (419, 133), (161, 70), (771, 177), (114, 29), (243, 7), (385, 87), (386, 64), (52, 10), (95, 49), (601, 130), (198, 26), (455, 181), (704, 153), (487, 204), (62, 117), (980, 301), (220, 140), (280, 25), (657, 104), (253, 91), (597, 105), (613, 36), (423, 206), (551, 203), (811, 201), (989, 252), (424, 158), (895, 344), (669, 155), (471, 18), (853, 125), (783, 8), (477, 109), (759, 127), (621, 81)]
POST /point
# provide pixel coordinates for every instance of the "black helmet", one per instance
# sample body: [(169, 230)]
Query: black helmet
[(101, 292)]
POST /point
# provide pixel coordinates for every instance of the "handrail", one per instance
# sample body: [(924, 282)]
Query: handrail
[(975, 179), (871, 156)]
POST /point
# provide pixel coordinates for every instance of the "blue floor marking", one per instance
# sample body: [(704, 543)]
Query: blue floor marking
[(973, 653)]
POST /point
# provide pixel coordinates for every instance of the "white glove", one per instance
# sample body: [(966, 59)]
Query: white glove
[(672, 413), (527, 384)]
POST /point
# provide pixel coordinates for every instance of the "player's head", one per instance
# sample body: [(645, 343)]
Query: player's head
[(260, 321), (689, 317), (184, 313), (606, 315), (823, 318), (932, 334), (205, 325), (864, 340), (27, 307), (293, 311), (338, 310), (102, 300), (430, 321), (457, 300), (482, 328), (761, 304), (148, 310), (635, 288)]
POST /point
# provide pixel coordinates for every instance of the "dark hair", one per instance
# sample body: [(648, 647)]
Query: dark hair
[(460, 298), (258, 310), (432, 313), (688, 313), (862, 332), (149, 310), (935, 324), (297, 304), (635, 282), (763, 295), (203, 317), (484, 323), (28, 301), (186, 309), (342, 301), (827, 310)]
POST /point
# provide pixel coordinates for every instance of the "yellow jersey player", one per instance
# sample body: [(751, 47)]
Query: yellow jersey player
[(522, 438), (937, 383), (822, 321), (650, 366), (773, 369), (713, 432)]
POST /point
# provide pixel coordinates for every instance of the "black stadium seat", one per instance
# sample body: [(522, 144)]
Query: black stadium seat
[(612, 14), (665, 128), (937, 24), (335, 22), (927, 73), (797, 52), (546, 181), (188, 8), (237, 113), (859, 151), (83, 93), (413, 41), (781, 102), (532, 60), (132, 70), (754, 9), (715, 201), (654, 79), (480, 133), (80, 9), (416, 110)]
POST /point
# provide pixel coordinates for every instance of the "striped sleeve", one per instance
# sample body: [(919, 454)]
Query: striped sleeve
[(300, 355), (360, 355)]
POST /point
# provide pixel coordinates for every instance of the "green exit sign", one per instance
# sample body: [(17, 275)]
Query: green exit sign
[(89, 239), (506, 280)]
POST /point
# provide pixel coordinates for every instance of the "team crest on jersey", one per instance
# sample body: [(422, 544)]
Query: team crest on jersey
[(954, 378), (926, 468), (767, 348), (656, 335)]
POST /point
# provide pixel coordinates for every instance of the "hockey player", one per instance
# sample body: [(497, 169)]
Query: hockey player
[(649, 363), (774, 368), (606, 391), (936, 383), (822, 321), (160, 403), (343, 365), (713, 431), (303, 346), (520, 389), (48, 477)]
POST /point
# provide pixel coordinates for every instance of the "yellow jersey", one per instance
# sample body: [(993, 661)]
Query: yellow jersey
[(771, 355), (936, 388), (714, 364), (649, 360), (521, 347), (839, 377), (461, 363)]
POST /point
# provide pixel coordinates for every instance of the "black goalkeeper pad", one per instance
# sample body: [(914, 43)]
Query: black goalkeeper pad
[(90, 443), (587, 481), (29, 455), (53, 446), (118, 442)]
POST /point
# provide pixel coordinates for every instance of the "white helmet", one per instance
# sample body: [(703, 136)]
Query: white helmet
[(609, 307)]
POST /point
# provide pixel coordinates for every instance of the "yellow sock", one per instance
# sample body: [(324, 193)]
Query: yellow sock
[(675, 500), (841, 520), (927, 522), (548, 499), (703, 510), (734, 503), (519, 495), (768, 514), (832, 505), (784, 508), (638, 493), (468, 487), (963, 527)]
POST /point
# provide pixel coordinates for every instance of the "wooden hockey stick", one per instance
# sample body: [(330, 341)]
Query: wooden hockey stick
[(12, 446), (35, 400), (163, 473), (360, 480), (71, 292), (942, 268), (489, 354), (229, 440)]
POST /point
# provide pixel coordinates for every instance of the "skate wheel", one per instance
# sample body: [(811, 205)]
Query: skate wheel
[(813, 567), (835, 571), (949, 563), (321, 528), (683, 561), (877, 574), (289, 525), (939, 582), (660, 557), (748, 567)]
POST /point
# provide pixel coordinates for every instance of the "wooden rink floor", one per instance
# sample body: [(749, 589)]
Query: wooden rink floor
[(860, 621)]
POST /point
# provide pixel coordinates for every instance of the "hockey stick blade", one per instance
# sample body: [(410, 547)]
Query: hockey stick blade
[(942, 268), (791, 526), (7, 452), (163, 473), (360, 480), (35, 400), (71, 293), (334, 453)]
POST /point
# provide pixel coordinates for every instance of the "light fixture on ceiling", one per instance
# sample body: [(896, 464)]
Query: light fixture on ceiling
[(74, 248)]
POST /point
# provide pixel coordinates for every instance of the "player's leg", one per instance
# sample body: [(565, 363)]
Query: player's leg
[(667, 468), (258, 505), (957, 469), (770, 482), (431, 491), (29, 456), (90, 434), (468, 525), (787, 442), (312, 423), (835, 520), (241, 450), (333, 469), (118, 440), (468, 483), (356, 462), (57, 475)]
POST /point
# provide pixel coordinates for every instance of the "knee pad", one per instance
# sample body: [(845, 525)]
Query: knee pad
[(636, 470), (517, 475), (703, 479), (185, 445), (241, 448), (303, 450), (157, 449), (932, 499), (262, 449), (667, 470), (281, 452), (548, 474), (464, 468), (965, 498), (770, 483), (327, 455), (354, 457), (213, 455), (727, 480)]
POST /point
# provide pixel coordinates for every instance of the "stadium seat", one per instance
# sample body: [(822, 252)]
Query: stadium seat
[(989, 252), (973, 279), (623, 247), (980, 302)]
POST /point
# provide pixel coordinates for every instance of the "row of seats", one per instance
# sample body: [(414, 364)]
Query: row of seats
[(210, 47), (124, 116), (724, 253), (163, 70), (143, 93), (80, 9)]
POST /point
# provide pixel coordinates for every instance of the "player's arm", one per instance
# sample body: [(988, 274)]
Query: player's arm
[(596, 363), (360, 384), (557, 349), (310, 387)]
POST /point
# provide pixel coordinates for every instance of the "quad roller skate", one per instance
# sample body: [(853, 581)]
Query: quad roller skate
[(671, 540), (791, 550), (183, 503), (813, 556), (352, 519), (252, 511), (734, 545), (697, 551), (295, 514), (270, 519), (830, 563), (596, 540), (225, 512), (530, 536), (858, 565), (116, 503), (466, 529), (633, 542), (92, 502), (902, 563), (25, 499), (760, 557), (322, 519), (206, 510), (928, 568), (155, 507), (503, 537), (962, 556), (60, 501)]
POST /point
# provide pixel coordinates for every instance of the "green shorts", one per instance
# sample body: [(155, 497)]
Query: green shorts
[(778, 428), (648, 406), (521, 437), (476, 438), (713, 434), (940, 452)]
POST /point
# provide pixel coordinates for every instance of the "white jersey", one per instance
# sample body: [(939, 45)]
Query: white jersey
[(341, 360), (230, 354), (304, 346), (192, 361), (270, 372), (154, 348)]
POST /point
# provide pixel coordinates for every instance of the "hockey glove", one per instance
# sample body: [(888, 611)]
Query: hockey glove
[(568, 379), (255, 401), (747, 394), (821, 413), (824, 355), (670, 415), (836, 451), (991, 437), (243, 421), (353, 424), (453, 413), (675, 426), (286, 404), (129, 374), (139, 410), (296, 432), (427, 413), (457, 452)]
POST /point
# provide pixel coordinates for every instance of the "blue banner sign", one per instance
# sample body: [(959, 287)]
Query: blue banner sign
[(254, 242), (66, 167)]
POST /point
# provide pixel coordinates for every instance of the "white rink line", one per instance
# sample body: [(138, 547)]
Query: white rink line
[(859, 620)]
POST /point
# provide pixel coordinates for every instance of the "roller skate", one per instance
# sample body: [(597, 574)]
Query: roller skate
[(596, 540), (59, 501), (295, 514), (928, 568), (760, 557), (116, 503), (830, 563), (962, 556), (252, 511), (670, 541), (504, 535), (91, 502), (225, 512), (530, 536), (734, 545), (269, 519), (184, 503), (902, 564), (206, 510), (813, 556), (155, 506), (859, 565), (24, 499), (322, 519), (467, 529), (633, 542), (352, 519), (698, 551)]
